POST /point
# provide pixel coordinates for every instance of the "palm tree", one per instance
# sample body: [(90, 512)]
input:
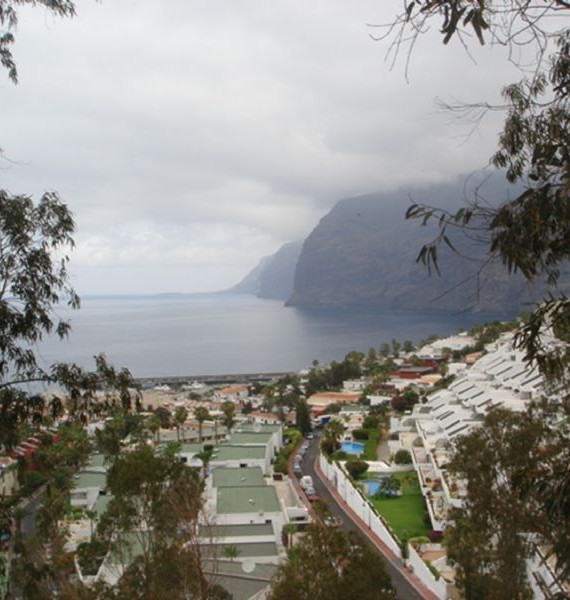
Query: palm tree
[(333, 432), (201, 414), (180, 417), (153, 423), (229, 411), (231, 552)]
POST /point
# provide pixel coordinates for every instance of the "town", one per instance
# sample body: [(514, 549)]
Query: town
[(236, 476)]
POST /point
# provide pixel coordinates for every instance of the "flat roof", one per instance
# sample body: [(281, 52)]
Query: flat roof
[(245, 550), (90, 480), (237, 477), (231, 452), (96, 460), (191, 448), (241, 530), (101, 504), (241, 584), (253, 499), (257, 427), (251, 437)]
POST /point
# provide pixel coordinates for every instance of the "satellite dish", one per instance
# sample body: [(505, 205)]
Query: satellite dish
[(248, 565)]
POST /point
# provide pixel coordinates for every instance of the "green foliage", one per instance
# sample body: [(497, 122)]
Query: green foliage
[(504, 462), (356, 468), (281, 464), (329, 563), (90, 556), (370, 422), (403, 457), (9, 21), (360, 434), (303, 417), (229, 411)]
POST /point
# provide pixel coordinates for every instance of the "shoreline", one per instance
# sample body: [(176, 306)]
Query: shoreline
[(211, 379)]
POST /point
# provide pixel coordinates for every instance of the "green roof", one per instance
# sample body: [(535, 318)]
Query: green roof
[(191, 448), (90, 480), (96, 460), (241, 530), (251, 437), (245, 550), (230, 452), (257, 427), (241, 585), (101, 504), (253, 499), (237, 477)]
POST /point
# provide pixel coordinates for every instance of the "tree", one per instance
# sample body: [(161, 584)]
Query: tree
[(180, 416), (229, 411), (499, 461), (329, 563), (303, 417), (356, 468), (151, 526), (390, 486), (332, 433), (529, 234), (201, 414), (232, 552), (403, 457)]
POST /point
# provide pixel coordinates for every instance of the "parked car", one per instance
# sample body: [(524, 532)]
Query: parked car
[(311, 494)]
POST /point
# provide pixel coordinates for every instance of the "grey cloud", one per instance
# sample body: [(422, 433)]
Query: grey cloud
[(199, 134)]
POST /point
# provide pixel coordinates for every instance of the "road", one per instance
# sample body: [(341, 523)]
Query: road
[(404, 590)]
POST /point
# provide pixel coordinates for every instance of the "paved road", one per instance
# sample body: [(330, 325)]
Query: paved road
[(403, 588)]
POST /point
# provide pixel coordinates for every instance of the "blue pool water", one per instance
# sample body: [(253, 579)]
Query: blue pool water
[(352, 447), (372, 486)]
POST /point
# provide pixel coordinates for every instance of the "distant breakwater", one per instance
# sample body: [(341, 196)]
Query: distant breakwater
[(222, 379)]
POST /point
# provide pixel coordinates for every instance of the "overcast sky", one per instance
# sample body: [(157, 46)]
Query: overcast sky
[(191, 137)]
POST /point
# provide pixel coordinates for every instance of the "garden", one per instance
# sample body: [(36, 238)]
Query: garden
[(404, 513)]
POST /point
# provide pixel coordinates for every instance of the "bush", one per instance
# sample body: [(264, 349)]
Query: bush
[(356, 468), (435, 536), (370, 422), (281, 465), (360, 434), (403, 457)]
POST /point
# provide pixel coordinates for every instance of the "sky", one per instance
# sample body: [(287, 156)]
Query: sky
[(190, 138)]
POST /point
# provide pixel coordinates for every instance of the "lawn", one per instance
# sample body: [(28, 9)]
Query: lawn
[(405, 513), (371, 444)]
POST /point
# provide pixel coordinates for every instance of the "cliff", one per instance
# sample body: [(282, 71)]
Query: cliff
[(363, 252), (273, 277)]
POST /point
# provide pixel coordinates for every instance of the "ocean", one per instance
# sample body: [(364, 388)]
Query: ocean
[(212, 334)]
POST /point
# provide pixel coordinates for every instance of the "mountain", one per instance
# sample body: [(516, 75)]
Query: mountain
[(272, 278), (363, 253)]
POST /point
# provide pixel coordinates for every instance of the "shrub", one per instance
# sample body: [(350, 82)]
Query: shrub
[(370, 422), (281, 465), (435, 536), (356, 468), (403, 457), (360, 434)]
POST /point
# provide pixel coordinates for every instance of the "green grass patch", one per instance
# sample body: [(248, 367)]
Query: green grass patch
[(405, 513), (371, 444)]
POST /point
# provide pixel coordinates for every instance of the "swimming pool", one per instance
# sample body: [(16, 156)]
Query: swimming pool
[(372, 486), (352, 447)]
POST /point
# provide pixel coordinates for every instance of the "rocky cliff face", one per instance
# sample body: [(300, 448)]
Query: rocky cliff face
[(363, 253), (273, 277)]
